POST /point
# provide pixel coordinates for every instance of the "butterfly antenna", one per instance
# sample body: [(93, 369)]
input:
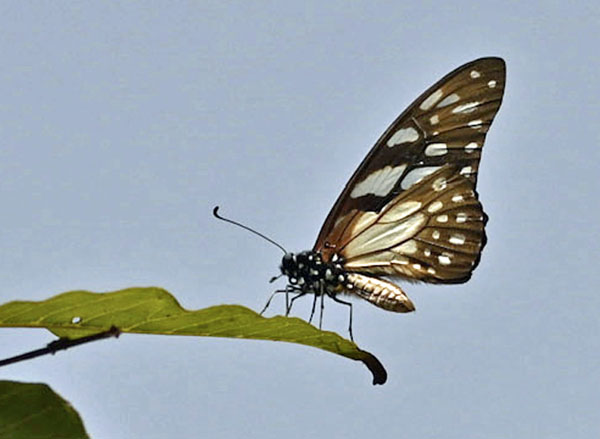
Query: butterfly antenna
[(235, 223)]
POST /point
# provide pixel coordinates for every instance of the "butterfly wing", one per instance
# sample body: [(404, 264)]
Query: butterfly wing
[(389, 217), (432, 232)]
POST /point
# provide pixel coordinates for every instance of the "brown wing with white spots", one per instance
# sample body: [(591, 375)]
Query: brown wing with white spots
[(433, 232), (445, 126)]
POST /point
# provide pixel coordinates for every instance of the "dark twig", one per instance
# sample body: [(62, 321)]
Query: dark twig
[(60, 345)]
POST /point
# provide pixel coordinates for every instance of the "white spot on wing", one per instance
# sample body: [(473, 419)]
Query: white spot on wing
[(475, 74), (435, 206), (475, 123), (431, 100), (467, 170), (435, 149), (465, 108), (379, 182), (492, 84), (470, 147), (427, 252), (439, 184), (458, 239), (448, 100), (435, 234), (444, 260), (457, 198), (417, 175), (442, 218), (434, 120), (403, 135), (461, 217)]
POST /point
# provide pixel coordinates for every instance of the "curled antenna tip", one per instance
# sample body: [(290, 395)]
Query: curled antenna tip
[(216, 214)]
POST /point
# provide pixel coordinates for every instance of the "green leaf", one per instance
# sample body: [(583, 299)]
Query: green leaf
[(34, 411), (154, 311)]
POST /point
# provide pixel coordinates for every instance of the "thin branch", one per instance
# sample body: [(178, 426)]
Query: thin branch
[(60, 345)]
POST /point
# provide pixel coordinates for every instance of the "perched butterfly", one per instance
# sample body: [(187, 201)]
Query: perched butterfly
[(410, 211)]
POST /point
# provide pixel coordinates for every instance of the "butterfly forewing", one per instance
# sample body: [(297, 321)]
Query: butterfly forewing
[(390, 219)]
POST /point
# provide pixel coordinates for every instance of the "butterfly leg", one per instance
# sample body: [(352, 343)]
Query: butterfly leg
[(343, 302), (297, 296), (314, 305), (286, 291), (322, 307), (287, 299)]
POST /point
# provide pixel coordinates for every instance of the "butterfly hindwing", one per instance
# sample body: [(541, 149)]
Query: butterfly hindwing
[(433, 232), (440, 134)]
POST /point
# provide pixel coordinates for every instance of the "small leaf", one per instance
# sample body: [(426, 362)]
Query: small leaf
[(29, 411), (154, 311)]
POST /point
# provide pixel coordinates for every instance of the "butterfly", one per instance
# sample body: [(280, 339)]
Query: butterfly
[(410, 211)]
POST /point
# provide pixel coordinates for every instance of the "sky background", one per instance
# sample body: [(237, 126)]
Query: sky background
[(123, 124)]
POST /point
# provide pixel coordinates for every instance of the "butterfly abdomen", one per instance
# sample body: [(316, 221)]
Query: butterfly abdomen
[(379, 292)]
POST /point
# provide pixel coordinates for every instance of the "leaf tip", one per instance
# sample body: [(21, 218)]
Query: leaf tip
[(376, 368)]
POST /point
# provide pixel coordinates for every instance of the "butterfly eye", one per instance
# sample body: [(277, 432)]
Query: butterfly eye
[(287, 262)]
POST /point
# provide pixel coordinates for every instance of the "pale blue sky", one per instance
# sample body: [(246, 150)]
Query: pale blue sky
[(123, 124)]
